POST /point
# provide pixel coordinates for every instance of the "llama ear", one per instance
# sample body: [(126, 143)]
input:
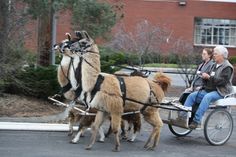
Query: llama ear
[(87, 35), (79, 35), (68, 36)]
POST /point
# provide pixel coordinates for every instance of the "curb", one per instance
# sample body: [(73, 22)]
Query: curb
[(34, 126)]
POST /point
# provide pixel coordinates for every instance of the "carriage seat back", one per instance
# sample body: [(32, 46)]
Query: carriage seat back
[(228, 100)]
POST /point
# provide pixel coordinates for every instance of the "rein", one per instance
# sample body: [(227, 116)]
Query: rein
[(68, 86)]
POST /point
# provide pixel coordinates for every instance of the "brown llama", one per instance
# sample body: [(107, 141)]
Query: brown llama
[(75, 116)]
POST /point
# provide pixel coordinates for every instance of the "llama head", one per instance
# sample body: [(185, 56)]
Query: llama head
[(78, 44)]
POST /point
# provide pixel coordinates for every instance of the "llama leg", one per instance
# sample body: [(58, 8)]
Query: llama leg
[(101, 133), (136, 127), (158, 130), (71, 123), (108, 132), (77, 136), (70, 132), (154, 119), (95, 126), (123, 130), (115, 123)]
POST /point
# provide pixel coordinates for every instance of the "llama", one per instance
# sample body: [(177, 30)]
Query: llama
[(75, 116), (104, 93), (63, 72)]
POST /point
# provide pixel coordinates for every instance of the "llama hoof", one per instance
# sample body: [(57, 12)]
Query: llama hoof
[(73, 142), (149, 148), (70, 134), (124, 138), (130, 140), (101, 141), (116, 149), (88, 147), (145, 146)]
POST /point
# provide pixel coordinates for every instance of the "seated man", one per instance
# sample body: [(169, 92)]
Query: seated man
[(216, 84)]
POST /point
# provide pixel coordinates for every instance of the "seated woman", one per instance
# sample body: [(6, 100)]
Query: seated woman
[(207, 62), (216, 84), (205, 66)]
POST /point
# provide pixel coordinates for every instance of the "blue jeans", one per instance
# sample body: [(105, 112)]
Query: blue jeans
[(204, 99)]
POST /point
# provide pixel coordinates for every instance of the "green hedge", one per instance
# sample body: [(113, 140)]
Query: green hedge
[(38, 82), (232, 60)]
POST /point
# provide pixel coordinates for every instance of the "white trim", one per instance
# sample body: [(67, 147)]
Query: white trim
[(209, 45), (224, 1)]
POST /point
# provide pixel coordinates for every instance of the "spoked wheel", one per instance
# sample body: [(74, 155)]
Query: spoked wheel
[(218, 127), (178, 131)]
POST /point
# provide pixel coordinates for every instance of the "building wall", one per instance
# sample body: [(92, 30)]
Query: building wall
[(179, 19), (167, 13)]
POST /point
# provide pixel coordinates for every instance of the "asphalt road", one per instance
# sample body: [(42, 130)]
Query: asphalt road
[(56, 144)]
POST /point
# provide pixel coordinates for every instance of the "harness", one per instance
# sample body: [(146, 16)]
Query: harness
[(145, 105), (122, 88), (97, 86), (78, 76)]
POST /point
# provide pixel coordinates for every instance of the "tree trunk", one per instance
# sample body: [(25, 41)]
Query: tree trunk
[(45, 38), (4, 25)]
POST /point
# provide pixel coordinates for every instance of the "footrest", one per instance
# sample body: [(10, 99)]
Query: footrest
[(179, 106)]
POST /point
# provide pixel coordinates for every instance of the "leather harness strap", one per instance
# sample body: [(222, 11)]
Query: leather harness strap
[(78, 76), (122, 88), (66, 88), (97, 86)]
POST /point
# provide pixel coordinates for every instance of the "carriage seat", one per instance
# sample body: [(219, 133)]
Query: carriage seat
[(228, 100)]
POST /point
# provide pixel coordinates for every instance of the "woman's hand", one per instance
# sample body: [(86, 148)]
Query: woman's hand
[(205, 76), (190, 89)]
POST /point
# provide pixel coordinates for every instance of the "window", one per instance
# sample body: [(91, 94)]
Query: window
[(215, 32)]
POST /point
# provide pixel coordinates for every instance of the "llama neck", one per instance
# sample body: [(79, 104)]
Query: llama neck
[(62, 71), (90, 70)]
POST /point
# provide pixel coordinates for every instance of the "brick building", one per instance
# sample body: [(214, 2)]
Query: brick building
[(204, 23)]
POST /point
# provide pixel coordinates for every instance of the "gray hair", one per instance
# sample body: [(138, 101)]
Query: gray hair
[(222, 50)]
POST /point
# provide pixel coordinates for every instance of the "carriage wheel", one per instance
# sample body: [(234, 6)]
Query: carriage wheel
[(218, 127), (178, 131)]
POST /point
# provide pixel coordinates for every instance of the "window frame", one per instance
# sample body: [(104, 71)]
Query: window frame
[(198, 35)]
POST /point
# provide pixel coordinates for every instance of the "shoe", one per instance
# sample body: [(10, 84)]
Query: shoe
[(194, 125), (180, 121)]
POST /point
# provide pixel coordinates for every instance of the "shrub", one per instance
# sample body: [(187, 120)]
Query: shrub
[(38, 82), (109, 58), (232, 60)]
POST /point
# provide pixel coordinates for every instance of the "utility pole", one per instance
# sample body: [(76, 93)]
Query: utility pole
[(54, 37)]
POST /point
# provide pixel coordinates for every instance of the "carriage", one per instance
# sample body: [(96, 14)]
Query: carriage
[(217, 122)]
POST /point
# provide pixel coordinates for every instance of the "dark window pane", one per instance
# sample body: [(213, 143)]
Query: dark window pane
[(226, 32), (226, 40), (215, 40), (203, 40), (208, 39), (215, 31)]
